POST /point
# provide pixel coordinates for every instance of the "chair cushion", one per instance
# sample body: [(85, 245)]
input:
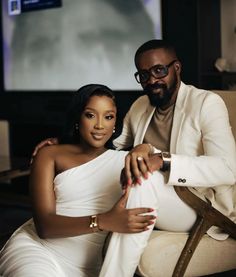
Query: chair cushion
[(163, 249)]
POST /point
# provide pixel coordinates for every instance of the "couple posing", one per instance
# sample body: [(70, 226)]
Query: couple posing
[(185, 139)]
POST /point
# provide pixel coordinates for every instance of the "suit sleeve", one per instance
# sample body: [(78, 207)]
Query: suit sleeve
[(125, 139), (130, 124), (217, 166)]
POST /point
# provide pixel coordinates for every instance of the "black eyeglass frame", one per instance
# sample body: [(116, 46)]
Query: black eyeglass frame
[(165, 69)]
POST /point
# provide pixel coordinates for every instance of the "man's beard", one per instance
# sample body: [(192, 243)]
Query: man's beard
[(162, 98)]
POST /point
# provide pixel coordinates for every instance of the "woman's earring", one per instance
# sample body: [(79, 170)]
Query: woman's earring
[(76, 127), (114, 130)]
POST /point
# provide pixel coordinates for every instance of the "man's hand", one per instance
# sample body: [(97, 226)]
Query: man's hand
[(122, 220), (46, 142), (138, 163)]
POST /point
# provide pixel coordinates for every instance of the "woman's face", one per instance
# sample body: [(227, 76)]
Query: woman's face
[(97, 121)]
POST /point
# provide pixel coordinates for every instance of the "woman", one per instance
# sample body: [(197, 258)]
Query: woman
[(74, 187)]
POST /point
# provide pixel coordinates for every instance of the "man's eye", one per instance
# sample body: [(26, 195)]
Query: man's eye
[(158, 69)]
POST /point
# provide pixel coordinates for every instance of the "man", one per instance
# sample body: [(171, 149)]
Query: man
[(189, 126)]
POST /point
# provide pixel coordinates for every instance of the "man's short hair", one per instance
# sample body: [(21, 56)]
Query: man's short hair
[(154, 44)]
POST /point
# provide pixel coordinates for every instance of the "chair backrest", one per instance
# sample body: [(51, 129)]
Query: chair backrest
[(4, 138), (229, 98)]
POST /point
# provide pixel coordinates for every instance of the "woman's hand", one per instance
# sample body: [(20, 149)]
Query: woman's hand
[(46, 142), (138, 163), (122, 220)]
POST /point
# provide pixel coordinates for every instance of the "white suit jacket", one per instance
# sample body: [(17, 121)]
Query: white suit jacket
[(202, 145)]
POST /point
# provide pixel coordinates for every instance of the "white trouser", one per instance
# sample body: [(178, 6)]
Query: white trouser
[(124, 250)]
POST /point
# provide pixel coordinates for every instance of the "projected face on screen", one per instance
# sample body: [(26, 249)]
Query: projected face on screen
[(82, 42)]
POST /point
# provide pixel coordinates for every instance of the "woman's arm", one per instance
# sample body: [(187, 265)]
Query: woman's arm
[(50, 225)]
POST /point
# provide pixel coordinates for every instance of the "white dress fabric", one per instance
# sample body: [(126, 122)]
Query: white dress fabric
[(124, 250), (88, 189)]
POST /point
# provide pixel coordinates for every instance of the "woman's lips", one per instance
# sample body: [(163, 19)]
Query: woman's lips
[(98, 136)]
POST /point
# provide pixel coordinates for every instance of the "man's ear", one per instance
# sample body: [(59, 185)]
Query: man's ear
[(178, 66)]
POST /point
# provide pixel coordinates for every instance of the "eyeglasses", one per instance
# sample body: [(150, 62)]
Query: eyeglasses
[(157, 71)]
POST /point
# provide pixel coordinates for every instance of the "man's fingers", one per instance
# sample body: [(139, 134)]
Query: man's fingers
[(40, 145), (54, 141), (49, 141), (36, 149)]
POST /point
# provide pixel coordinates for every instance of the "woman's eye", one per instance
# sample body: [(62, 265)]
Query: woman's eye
[(109, 117), (89, 115)]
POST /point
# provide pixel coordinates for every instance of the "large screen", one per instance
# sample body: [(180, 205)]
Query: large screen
[(76, 43)]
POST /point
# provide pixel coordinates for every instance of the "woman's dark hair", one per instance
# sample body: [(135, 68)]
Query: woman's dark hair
[(78, 103)]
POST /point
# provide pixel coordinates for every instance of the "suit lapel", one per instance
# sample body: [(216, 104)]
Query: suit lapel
[(179, 115), (143, 124)]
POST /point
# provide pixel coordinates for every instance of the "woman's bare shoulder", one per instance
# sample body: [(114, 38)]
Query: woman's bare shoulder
[(53, 151)]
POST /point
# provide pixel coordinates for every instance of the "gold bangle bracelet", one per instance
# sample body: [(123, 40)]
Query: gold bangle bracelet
[(94, 223)]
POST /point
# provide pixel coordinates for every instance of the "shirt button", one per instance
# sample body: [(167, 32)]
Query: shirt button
[(180, 180)]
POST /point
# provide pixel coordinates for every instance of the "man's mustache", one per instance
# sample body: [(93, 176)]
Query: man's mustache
[(151, 87)]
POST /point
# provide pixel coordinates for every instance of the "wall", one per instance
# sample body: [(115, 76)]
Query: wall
[(228, 41), (40, 115), (228, 30)]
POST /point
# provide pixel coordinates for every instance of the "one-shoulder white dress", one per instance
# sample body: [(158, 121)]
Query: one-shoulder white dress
[(89, 189)]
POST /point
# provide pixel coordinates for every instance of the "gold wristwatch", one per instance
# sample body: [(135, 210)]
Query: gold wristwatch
[(166, 157)]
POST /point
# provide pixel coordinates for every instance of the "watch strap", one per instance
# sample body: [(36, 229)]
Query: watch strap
[(166, 157)]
